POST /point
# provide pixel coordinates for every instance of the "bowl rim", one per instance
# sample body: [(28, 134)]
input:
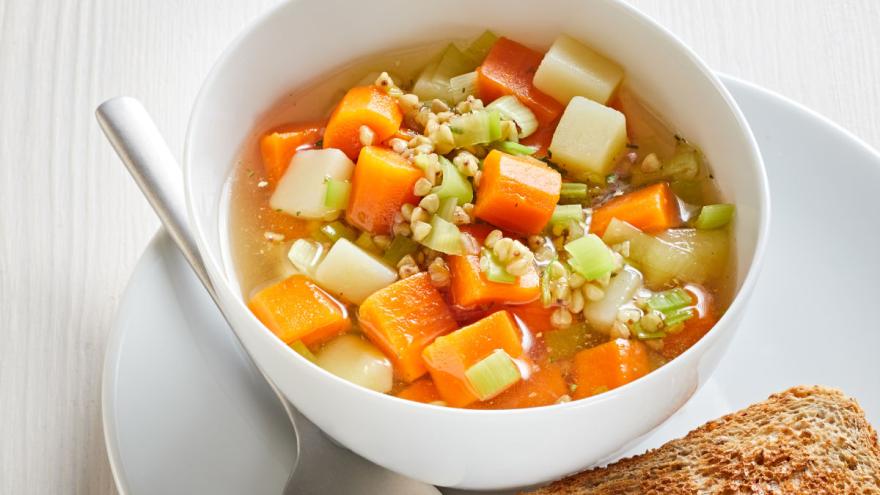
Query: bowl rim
[(740, 298)]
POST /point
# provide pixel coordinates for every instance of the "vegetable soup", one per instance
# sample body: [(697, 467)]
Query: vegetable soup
[(497, 227)]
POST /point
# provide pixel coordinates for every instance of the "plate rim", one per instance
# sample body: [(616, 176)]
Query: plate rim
[(117, 334)]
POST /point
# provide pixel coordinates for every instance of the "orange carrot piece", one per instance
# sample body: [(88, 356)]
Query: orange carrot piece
[(362, 105), (534, 316), (450, 356), (297, 309), (403, 318), (422, 390), (652, 209), (541, 139), (609, 366), (279, 146), (542, 388), (470, 287), (508, 70), (695, 328), (517, 193), (382, 182)]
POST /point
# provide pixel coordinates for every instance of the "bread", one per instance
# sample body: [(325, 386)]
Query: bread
[(806, 440)]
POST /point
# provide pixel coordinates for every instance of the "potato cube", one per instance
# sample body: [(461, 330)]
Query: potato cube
[(302, 188), (588, 139), (572, 69), (351, 273)]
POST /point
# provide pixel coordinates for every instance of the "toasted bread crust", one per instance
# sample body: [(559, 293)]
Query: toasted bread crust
[(806, 440)]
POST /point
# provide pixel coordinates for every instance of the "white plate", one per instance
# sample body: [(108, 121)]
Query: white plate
[(186, 412)]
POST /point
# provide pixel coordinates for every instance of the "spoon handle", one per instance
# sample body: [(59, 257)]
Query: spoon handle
[(141, 147)]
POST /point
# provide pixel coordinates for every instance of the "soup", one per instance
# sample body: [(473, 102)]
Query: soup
[(494, 228)]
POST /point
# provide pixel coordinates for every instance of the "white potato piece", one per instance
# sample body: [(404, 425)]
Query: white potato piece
[(301, 190), (602, 313), (351, 273), (358, 361), (571, 69), (588, 139)]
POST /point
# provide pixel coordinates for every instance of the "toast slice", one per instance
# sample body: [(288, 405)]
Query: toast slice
[(806, 440)]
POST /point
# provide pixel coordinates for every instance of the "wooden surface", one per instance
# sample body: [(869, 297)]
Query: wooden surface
[(72, 223)]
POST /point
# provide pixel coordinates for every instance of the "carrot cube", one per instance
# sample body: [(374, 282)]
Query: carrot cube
[(449, 357), (534, 316), (541, 388), (608, 366), (297, 309), (651, 209), (382, 182), (508, 70), (470, 287), (403, 318), (517, 193), (362, 106), (279, 146), (422, 390)]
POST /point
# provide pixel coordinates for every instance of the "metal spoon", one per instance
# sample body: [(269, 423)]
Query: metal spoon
[(319, 462)]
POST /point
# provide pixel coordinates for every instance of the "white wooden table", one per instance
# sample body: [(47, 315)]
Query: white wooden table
[(72, 223)]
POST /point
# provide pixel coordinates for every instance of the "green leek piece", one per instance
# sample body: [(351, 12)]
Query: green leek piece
[(714, 216), (305, 255), (460, 87), (670, 300), (515, 149), (678, 316), (480, 47), (480, 127), (337, 229), (447, 208), (573, 192), (590, 257), (454, 184), (563, 214), (365, 242), (434, 80), (643, 334), (302, 350), (400, 246), (444, 237), (683, 165), (495, 271), (510, 108), (336, 197), (493, 375)]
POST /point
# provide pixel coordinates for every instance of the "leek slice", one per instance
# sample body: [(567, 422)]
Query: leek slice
[(670, 300), (564, 343), (714, 216), (447, 208), (306, 255), (454, 184), (516, 149), (444, 237), (479, 127), (511, 108), (400, 246), (573, 192), (563, 214), (678, 316), (481, 46), (494, 374), (460, 87), (495, 271), (335, 230), (590, 257), (434, 81), (336, 197)]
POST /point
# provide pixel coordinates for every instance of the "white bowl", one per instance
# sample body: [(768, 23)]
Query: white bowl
[(301, 40)]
